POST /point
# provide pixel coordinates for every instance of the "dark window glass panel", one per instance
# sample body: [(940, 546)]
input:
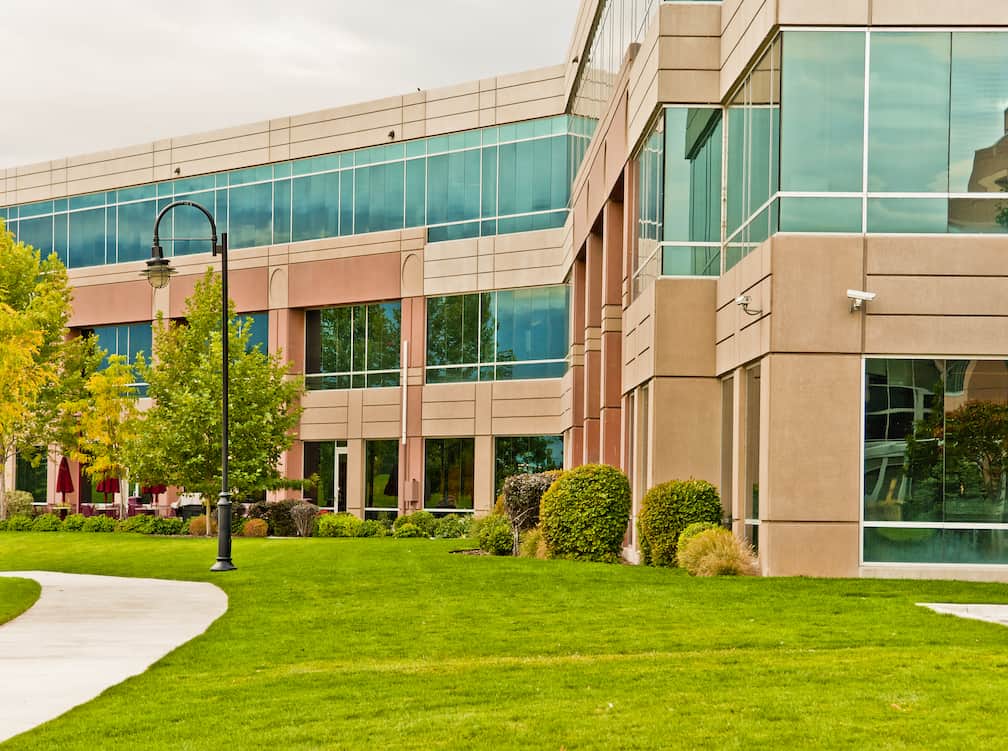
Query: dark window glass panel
[(190, 222), (136, 225), (316, 206), (908, 215), (87, 238), (82, 202), (489, 193), (451, 375), (736, 163), (383, 343), (690, 261), (282, 211), (38, 233), (381, 474), (908, 124), (250, 215), (336, 340), (416, 192), (258, 331), (822, 146), (820, 215), (60, 237), (320, 462), (30, 474), (903, 545), (448, 473), (526, 454), (531, 370)]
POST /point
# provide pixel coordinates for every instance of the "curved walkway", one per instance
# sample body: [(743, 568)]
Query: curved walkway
[(87, 633)]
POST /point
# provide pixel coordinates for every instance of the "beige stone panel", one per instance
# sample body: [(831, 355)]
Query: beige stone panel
[(59, 177), (546, 388), (690, 20), (372, 121), (946, 335), (110, 155), (510, 113), (330, 144), (414, 130), (279, 153), (384, 413), (381, 430), (810, 549), (453, 91), (934, 255), (41, 193), (937, 13), (737, 57), (811, 276), (143, 161), (488, 99), (355, 413), (325, 416), (684, 330), (207, 150), (538, 425), (939, 295), (530, 277), (448, 428), (531, 76), (753, 341), (925, 571), (536, 240), (326, 399), (107, 182), (685, 429), (221, 163), (836, 12), (122, 302), (529, 92), (484, 493), (455, 410), (453, 123), (814, 440), (455, 105), (278, 297), (32, 169), (235, 133), (451, 285), (415, 112), (728, 321), (34, 180), (740, 21), (279, 123), (412, 274), (414, 97), (324, 432), (435, 268), (690, 53), (642, 104), (355, 476), (349, 110), (526, 407), (483, 408)]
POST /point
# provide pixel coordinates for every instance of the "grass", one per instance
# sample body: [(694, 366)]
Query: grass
[(16, 596), (359, 644)]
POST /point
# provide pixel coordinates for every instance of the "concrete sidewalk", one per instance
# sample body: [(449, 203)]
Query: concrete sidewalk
[(990, 613), (87, 633)]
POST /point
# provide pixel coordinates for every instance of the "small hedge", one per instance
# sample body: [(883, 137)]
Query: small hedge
[(337, 525), (584, 514), (255, 528), (451, 526), (407, 530), (19, 523), (372, 528), (425, 521), (100, 523), (668, 509), (74, 523), (143, 524), (47, 523), (495, 536)]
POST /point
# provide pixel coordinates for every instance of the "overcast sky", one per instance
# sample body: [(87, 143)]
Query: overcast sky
[(86, 75)]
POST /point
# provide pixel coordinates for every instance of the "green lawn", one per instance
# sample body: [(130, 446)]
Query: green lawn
[(16, 596), (390, 644)]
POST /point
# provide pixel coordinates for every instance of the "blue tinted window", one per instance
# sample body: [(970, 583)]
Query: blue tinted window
[(316, 207), (87, 238), (250, 215), (136, 225)]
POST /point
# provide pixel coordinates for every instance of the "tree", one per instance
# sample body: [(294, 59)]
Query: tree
[(178, 440), (34, 353), (107, 420)]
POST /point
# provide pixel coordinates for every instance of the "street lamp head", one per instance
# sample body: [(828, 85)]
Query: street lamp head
[(158, 271)]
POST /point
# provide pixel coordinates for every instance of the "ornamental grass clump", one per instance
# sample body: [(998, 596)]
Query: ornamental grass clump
[(584, 514), (717, 552), (198, 526), (668, 509), (255, 528)]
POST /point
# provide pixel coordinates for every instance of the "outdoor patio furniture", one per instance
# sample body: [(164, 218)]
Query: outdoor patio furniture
[(87, 509)]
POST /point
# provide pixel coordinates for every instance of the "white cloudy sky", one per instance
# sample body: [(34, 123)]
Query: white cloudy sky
[(86, 75)]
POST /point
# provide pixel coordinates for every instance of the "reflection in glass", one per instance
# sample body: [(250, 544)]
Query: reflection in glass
[(353, 346), (448, 473), (381, 476), (820, 215), (978, 144), (526, 454)]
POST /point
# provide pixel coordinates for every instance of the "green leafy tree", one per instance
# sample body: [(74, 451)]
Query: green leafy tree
[(178, 441), (41, 367)]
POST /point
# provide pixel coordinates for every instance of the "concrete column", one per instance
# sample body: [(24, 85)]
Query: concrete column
[(355, 477), (592, 349), (611, 386), (484, 496), (574, 439)]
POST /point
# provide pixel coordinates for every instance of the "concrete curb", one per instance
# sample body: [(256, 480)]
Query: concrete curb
[(87, 633)]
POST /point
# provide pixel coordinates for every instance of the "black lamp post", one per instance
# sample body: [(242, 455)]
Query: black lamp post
[(158, 273)]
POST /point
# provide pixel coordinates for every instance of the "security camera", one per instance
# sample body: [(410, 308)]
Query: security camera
[(743, 302), (858, 298)]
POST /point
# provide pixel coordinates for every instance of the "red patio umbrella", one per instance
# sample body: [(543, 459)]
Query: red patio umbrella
[(64, 483), (153, 490), (107, 486)]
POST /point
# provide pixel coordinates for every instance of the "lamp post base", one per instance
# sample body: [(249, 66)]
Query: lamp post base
[(223, 564)]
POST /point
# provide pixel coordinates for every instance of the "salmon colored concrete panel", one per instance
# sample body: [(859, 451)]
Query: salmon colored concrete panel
[(811, 276), (814, 439), (345, 280), (247, 287), (122, 302), (810, 549)]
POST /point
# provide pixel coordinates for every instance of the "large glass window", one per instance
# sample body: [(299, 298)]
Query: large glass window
[(326, 463), (679, 196), (30, 474), (352, 346), (448, 474), (381, 479), (935, 460), (128, 340), (487, 181), (525, 454), (503, 335)]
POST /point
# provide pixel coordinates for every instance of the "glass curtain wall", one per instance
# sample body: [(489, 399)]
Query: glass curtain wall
[(353, 346), (679, 196), (448, 474), (515, 455), (935, 460), (498, 180), (381, 479), (502, 335)]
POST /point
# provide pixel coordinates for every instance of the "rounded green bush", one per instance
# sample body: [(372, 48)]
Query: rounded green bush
[(495, 535), (692, 530), (425, 521), (99, 523), (47, 523), (450, 527), (74, 523), (668, 509), (371, 528), (585, 512), (337, 525), (19, 523), (407, 530)]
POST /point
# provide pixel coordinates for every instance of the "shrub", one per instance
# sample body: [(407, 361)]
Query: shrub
[(139, 524), (19, 503), (74, 523), (533, 544), (522, 496), (450, 526), (99, 523), (47, 523), (584, 513), (255, 528), (717, 552), (371, 528), (692, 530), (407, 530), (198, 526), (3, 525), (495, 535), (19, 523), (168, 526), (338, 525), (277, 515), (425, 521), (303, 515), (666, 510)]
